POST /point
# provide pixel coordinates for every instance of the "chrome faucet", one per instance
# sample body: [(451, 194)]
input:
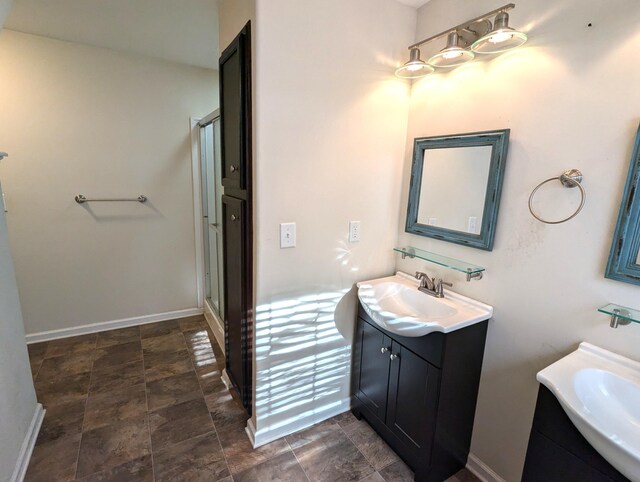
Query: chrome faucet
[(430, 286), (425, 281)]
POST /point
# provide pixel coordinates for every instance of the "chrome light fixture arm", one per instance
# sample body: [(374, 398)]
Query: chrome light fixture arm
[(467, 26)]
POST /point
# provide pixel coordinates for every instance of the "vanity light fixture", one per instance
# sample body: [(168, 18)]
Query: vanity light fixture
[(501, 38), (453, 54), (415, 67), (475, 36)]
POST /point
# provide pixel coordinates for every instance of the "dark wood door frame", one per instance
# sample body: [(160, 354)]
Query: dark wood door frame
[(237, 181)]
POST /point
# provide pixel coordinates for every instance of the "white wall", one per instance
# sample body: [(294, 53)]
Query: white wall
[(570, 98), (331, 124), (5, 8), (82, 120), (234, 14), (17, 396)]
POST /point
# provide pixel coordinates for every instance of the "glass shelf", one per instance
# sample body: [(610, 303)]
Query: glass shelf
[(473, 271), (621, 312)]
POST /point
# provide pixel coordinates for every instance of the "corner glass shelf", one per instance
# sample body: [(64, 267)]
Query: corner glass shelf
[(620, 315), (473, 271)]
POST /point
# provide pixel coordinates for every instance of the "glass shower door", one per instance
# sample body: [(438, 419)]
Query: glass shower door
[(210, 165)]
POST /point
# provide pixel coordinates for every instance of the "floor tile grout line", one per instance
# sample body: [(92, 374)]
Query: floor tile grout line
[(146, 398), (382, 468), (75, 471), (35, 375), (215, 429), (84, 414), (355, 445), (297, 459)]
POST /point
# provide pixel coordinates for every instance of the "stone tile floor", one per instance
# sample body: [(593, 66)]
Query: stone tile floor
[(148, 404)]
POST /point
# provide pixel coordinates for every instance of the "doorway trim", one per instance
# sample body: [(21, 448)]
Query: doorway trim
[(196, 177)]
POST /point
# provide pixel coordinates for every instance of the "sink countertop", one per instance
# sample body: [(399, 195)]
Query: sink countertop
[(600, 392), (396, 305)]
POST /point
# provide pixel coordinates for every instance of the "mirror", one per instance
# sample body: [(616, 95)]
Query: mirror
[(455, 187), (624, 258)]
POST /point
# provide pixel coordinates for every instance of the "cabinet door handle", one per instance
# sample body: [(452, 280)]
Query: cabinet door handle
[(234, 217), (394, 356), (233, 168), (384, 349)]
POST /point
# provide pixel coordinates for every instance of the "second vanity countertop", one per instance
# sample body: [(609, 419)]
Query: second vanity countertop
[(396, 305)]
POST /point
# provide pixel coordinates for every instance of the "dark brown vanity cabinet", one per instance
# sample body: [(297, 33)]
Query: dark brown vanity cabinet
[(419, 394), (373, 380), (234, 213), (413, 396), (558, 452), (235, 112), (237, 207)]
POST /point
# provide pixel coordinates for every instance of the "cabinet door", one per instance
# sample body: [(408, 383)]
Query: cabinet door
[(235, 108), (412, 403), (235, 315), (373, 377)]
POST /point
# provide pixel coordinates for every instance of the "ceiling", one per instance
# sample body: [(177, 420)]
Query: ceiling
[(184, 31), (414, 3)]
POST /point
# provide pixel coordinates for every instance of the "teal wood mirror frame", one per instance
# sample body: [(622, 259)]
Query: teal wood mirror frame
[(624, 259), (499, 142)]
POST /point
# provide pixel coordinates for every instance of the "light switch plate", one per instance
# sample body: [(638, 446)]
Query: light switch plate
[(287, 235), (354, 231)]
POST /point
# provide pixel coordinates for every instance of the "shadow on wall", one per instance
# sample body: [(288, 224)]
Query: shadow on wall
[(303, 358)]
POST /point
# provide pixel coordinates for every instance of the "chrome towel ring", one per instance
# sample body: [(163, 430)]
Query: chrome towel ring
[(570, 178)]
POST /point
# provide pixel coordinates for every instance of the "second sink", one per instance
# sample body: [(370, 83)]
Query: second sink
[(600, 392)]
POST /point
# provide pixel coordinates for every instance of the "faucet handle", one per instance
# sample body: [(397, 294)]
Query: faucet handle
[(439, 289), (420, 275)]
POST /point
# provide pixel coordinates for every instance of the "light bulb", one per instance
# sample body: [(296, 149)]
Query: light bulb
[(452, 54), (500, 37)]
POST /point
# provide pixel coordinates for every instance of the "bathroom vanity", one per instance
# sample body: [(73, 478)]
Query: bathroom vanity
[(558, 452), (418, 389), (587, 422)]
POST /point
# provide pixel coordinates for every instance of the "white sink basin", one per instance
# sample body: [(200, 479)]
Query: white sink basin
[(600, 392), (396, 305)]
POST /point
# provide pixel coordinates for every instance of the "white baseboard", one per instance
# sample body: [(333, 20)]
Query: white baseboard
[(481, 470), (28, 444), (251, 432), (216, 324), (225, 379), (264, 436), (110, 325)]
